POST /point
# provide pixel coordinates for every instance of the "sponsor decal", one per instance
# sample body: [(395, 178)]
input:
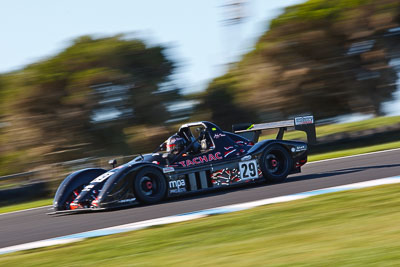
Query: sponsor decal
[(201, 159), (177, 186), (227, 153), (250, 127), (304, 120), (216, 136), (299, 148), (177, 183), (225, 177), (168, 169)]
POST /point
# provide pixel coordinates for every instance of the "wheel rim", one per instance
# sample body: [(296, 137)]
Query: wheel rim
[(148, 185), (275, 162)]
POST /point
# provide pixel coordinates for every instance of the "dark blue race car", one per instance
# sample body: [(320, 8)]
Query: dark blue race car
[(199, 157)]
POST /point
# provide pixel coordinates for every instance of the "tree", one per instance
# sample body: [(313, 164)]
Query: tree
[(219, 101), (78, 102), (326, 57)]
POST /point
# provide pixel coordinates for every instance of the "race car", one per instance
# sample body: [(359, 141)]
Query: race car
[(199, 157)]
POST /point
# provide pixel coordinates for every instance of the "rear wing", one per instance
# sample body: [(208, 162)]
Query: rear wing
[(253, 131)]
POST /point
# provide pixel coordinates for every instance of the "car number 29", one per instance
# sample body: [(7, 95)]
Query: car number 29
[(248, 169)]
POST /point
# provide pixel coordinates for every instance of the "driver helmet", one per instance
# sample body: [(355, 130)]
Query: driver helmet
[(175, 144)]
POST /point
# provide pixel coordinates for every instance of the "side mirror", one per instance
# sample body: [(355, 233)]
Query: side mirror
[(112, 162)]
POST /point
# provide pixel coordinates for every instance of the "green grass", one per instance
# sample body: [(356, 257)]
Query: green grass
[(341, 128), (26, 205), (358, 126), (8, 185), (353, 228)]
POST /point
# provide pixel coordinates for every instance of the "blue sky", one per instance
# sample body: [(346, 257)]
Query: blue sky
[(198, 40)]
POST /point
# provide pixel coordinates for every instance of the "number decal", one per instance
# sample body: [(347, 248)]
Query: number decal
[(102, 177), (244, 171), (248, 169)]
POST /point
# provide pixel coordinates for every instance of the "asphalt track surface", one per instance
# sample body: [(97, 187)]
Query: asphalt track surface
[(34, 225)]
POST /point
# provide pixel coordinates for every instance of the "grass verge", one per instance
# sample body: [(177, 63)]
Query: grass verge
[(26, 205), (354, 151), (356, 228)]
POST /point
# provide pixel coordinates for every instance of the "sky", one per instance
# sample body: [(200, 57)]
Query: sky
[(194, 31)]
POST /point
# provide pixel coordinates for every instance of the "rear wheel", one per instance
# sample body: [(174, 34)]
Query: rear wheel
[(150, 185), (276, 164)]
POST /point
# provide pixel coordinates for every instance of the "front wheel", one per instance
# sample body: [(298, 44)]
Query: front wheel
[(150, 185), (276, 164)]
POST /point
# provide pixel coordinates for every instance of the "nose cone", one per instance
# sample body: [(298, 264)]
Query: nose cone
[(75, 206)]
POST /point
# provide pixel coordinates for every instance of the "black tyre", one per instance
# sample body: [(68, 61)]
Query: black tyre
[(276, 164), (150, 185)]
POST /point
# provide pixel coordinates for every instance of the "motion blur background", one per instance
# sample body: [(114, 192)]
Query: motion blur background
[(83, 80)]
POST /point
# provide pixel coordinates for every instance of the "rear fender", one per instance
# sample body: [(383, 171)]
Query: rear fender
[(72, 181), (297, 149), (293, 147)]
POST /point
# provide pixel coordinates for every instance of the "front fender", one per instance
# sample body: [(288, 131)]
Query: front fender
[(71, 182), (119, 187)]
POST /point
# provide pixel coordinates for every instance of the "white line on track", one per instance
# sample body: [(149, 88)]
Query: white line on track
[(193, 215), (18, 211)]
